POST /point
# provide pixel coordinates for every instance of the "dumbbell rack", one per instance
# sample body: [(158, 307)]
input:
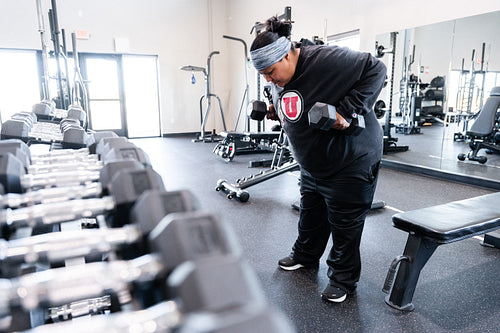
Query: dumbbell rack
[(43, 125), (102, 240)]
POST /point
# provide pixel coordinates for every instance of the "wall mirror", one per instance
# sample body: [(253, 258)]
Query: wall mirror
[(439, 78)]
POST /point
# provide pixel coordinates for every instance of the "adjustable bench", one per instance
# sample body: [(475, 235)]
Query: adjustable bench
[(483, 133), (430, 227), (235, 143)]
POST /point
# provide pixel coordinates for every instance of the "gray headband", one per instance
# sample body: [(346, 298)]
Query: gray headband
[(270, 54)]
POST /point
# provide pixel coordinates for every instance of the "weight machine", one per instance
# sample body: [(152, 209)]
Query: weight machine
[(67, 97), (410, 99), (390, 143), (235, 143)]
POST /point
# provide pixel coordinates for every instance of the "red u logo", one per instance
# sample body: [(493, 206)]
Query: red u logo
[(290, 104)]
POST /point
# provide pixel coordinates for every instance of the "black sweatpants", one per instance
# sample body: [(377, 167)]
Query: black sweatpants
[(336, 206)]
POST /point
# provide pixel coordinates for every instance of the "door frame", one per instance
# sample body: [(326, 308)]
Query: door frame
[(123, 131)]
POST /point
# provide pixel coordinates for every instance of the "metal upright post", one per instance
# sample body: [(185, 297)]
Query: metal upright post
[(245, 99), (80, 95), (45, 74), (54, 27), (64, 54)]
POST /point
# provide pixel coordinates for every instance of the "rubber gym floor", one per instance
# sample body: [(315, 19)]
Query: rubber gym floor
[(458, 289)]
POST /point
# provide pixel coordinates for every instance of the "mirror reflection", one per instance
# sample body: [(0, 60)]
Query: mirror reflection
[(440, 99)]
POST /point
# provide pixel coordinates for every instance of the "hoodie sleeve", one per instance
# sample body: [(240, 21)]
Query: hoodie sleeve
[(364, 92)]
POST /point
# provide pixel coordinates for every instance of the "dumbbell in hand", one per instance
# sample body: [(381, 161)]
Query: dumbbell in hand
[(259, 109), (323, 116)]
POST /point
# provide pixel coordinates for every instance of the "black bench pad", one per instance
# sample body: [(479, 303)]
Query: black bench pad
[(453, 221), (264, 135)]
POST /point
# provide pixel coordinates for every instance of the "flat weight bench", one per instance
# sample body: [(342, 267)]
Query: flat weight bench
[(430, 227)]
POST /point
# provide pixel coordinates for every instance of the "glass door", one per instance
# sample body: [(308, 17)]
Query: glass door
[(106, 104), (140, 77)]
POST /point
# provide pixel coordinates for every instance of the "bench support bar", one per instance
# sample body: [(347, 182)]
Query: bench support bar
[(418, 250)]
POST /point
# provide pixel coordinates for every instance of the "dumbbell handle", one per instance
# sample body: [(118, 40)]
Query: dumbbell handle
[(79, 308), (62, 152), (56, 212), (158, 318), (57, 159), (61, 167), (65, 178), (59, 246), (53, 194), (67, 284), (46, 132)]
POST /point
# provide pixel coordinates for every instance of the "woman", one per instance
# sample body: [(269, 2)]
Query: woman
[(339, 166)]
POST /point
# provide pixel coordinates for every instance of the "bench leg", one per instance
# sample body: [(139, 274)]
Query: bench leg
[(492, 239), (418, 250)]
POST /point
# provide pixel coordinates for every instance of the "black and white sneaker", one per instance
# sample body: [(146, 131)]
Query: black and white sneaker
[(333, 294), (290, 264)]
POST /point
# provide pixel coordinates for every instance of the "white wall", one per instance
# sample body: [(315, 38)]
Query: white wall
[(372, 17), (184, 32), (470, 33)]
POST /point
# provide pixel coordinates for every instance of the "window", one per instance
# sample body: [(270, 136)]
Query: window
[(19, 84), (459, 89), (123, 90), (350, 39)]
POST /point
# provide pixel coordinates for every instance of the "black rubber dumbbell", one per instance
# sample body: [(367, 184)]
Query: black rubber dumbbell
[(258, 110), (323, 116), (199, 239), (128, 241)]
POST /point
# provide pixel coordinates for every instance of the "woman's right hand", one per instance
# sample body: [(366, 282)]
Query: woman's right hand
[(341, 123)]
